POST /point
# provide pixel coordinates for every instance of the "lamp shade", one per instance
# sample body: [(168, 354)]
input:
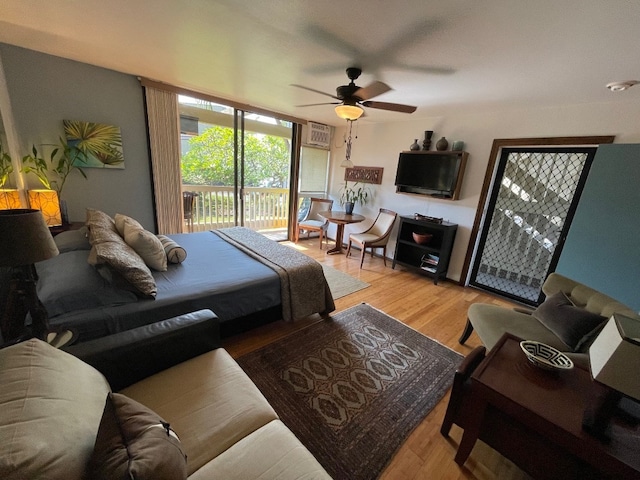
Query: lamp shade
[(9, 199), (349, 112), (615, 355), (25, 238), (47, 202)]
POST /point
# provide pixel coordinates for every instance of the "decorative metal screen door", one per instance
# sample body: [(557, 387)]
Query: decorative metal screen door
[(532, 202)]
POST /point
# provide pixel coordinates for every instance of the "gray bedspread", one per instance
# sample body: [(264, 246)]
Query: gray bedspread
[(303, 286)]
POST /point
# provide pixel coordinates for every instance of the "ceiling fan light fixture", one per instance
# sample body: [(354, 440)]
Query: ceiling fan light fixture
[(621, 86), (349, 112)]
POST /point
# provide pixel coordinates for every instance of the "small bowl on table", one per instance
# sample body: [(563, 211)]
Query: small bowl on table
[(422, 238), (545, 356)]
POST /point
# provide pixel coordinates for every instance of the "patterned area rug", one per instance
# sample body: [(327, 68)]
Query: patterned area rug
[(340, 283), (353, 387)]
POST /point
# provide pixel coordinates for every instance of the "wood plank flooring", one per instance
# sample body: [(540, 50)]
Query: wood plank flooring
[(438, 311)]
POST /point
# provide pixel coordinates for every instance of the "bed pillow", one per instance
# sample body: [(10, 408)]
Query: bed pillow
[(67, 283), (120, 221), (174, 252), (135, 442), (147, 245), (128, 263), (73, 240), (569, 323), (102, 228)]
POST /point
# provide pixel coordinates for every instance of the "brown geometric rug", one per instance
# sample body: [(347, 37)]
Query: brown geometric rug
[(353, 387)]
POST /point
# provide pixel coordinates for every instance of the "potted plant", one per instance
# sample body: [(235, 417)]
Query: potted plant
[(63, 160), (6, 168), (350, 195)]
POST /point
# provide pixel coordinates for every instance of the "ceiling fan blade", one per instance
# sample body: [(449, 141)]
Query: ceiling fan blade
[(393, 107), (372, 90), (316, 104), (314, 90)]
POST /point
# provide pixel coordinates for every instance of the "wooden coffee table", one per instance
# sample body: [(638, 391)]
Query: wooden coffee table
[(534, 418), (340, 219)]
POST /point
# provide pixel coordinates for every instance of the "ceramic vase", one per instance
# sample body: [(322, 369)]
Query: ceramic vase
[(442, 144), (414, 146), (348, 207), (426, 144)]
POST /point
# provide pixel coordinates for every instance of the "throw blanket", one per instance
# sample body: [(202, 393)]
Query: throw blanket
[(304, 288)]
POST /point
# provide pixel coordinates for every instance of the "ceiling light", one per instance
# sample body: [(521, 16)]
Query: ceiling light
[(349, 112), (621, 86)]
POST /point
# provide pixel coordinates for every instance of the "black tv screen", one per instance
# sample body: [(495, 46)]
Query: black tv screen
[(428, 173)]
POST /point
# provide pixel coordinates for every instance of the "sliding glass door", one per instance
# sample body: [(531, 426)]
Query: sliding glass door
[(236, 165)]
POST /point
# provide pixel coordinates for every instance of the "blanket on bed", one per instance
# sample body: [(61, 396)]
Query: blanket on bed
[(304, 288)]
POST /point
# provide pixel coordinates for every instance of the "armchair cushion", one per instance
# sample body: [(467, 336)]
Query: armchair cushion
[(134, 442), (570, 323)]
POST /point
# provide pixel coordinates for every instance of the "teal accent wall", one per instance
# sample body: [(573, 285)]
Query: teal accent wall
[(603, 245), (44, 90)]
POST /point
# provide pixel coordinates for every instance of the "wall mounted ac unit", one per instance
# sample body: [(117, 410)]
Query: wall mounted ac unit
[(318, 134)]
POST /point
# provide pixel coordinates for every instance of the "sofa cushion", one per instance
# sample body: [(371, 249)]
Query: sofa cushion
[(73, 240), (50, 408), (255, 457), (570, 323), (135, 442), (212, 404)]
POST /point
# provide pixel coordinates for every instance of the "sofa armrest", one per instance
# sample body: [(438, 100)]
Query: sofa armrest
[(127, 357)]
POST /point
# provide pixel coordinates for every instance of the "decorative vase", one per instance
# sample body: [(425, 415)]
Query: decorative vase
[(426, 144), (414, 146), (348, 207), (457, 146), (442, 144)]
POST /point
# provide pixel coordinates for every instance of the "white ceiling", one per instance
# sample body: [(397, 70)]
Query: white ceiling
[(436, 54)]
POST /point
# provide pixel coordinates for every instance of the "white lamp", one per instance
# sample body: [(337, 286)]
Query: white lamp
[(615, 362), (615, 355), (349, 112)]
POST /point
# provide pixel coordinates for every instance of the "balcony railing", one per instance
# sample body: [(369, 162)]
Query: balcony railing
[(215, 207)]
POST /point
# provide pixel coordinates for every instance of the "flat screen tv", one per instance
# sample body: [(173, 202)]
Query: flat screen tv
[(431, 173)]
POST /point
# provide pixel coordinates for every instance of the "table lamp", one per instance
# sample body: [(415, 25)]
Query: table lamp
[(48, 203), (25, 240), (9, 199), (615, 362)]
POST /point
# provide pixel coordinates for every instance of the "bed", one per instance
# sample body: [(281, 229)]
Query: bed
[(245, 278)]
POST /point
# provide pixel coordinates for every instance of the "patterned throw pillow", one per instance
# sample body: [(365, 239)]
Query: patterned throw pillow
[(128, 263)]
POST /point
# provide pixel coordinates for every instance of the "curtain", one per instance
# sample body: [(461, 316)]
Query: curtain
[(164, 139)]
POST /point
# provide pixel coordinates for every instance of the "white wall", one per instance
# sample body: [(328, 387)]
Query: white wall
[(378, 145)]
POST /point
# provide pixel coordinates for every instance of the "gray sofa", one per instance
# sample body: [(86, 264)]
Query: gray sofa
[(490, 322), (55, 409)]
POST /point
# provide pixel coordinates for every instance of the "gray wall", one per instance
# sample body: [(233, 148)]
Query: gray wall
[(45, 90), (602, 248)]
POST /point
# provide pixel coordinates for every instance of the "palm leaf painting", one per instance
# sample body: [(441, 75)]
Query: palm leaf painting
[(100, 143)]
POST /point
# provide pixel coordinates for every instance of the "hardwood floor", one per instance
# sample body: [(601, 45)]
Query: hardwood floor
[(438, 311)]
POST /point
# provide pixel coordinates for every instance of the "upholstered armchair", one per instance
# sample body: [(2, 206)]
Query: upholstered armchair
[(313, 222), (376, 236), (569, 319)]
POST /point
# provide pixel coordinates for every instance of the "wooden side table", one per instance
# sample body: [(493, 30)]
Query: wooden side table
[(534, 418), (340, 219)]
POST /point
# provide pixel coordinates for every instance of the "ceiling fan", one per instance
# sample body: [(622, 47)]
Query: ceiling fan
[(352, 97)]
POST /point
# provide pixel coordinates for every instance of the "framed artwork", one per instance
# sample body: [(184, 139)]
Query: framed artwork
[(100, 143), (364, 174)]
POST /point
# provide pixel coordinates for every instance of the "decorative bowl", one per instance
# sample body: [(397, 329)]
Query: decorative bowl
[(422, 238), (545, 356)]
